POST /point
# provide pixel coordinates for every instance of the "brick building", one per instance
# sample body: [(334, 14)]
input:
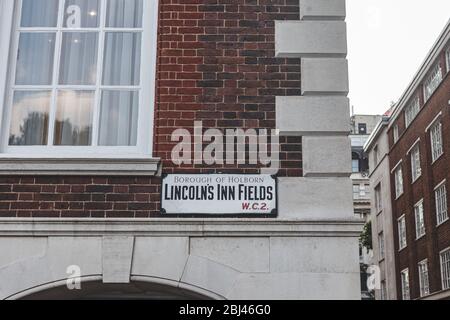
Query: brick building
[(91, 96), (419, 147)]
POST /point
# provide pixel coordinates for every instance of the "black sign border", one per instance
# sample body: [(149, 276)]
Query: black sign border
[(273, 214)]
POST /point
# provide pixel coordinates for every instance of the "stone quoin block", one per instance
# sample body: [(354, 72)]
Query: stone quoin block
[(326, 156), (308, 115), (325, 76), (315, 198), (322, 9), (310, 38)]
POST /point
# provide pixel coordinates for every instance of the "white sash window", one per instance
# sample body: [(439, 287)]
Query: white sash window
[(81, 78)]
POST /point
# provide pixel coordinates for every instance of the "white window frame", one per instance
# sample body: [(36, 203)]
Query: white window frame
[(402, 233), (411, 111), (433, 81), (424, 279), (436, 140), (447, 58), (10, 20), (399, 182), (441, 203), (444, 256), (396, 133), (419, 217), (416, 168), (404, 276)]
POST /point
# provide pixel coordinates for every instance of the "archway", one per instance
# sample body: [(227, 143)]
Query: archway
[(97, 290)]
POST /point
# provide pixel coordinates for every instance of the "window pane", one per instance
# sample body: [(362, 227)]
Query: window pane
[(29, 119), (124, 14), (35, 59), (78, 58), (39, 13), (118, 118), (73, 125), (81, 14), (121, 65)]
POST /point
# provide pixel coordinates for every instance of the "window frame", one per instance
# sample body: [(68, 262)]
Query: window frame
[(405, 287), (399, 181), (424, 278), (445, 270), (402, 233), (396, 133), (378, 198), (420, 229), (431, 78), (411, 111), (437, 198), (416, 165), (437, 145), (144, 147), (381, 246)]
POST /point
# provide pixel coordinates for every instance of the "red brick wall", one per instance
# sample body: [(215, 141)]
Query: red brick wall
[(436, 239), (216, 63)]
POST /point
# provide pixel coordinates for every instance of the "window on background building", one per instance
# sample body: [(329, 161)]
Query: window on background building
[(411, 111), (396, 133), (362, 128), (440, 195), (432, 82), (436, 140), (77, 82), (356, 191), (381, 245), (420, 222), (416, 169), (355, 165), (445, 269), (424, 282), (398, 182), (405, 284), (375, 155), (448, 59), (378, 199), (383, 289), (402, 232)]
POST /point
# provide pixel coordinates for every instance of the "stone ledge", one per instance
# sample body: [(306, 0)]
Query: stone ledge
[(180, 227), (117, 166)]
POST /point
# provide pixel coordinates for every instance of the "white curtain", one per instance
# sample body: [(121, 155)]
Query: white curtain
[(78, 64), (124, 14), (74, 116), (39, 13), (35, 59), (119, 118), (122, 59)]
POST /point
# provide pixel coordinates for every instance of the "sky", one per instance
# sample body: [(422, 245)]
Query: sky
[(387, 41)]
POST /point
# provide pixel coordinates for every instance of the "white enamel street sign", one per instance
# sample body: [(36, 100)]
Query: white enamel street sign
[(219, 194)]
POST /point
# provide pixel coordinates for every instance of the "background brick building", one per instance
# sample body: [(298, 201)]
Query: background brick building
[(418, 133)]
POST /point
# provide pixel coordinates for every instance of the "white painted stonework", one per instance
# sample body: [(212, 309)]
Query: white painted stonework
[(217, 259), (300, 115)]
